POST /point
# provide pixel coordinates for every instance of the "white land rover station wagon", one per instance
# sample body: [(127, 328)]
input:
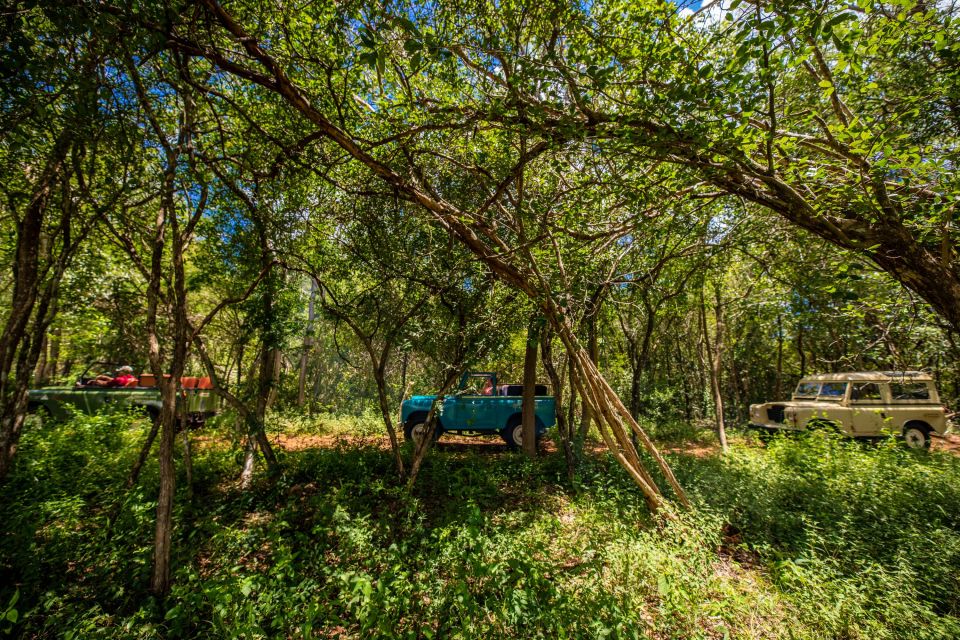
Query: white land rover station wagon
[(860, 404)]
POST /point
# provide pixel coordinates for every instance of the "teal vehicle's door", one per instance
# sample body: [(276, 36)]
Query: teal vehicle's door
[(452, 413), (470, 408)]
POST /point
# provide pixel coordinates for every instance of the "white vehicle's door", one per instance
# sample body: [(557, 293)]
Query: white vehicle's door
[(868, 404)]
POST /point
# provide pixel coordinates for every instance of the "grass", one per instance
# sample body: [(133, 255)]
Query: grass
[(809, 537)]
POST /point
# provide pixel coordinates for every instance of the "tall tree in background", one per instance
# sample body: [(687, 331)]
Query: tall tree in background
[(63, 166)]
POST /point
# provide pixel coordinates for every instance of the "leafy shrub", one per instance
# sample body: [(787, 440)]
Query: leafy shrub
[(808, 538)]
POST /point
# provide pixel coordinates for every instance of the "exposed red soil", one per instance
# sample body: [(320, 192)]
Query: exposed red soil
[(484, 445), (289, 442), (950, 442), (695, 450), (449, 442)]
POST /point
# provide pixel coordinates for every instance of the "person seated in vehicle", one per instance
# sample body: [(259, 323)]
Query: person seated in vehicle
[(124, 376), (487, 387)]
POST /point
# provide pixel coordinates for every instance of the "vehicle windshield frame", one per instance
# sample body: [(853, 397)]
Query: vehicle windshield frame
[(466, 378), (833, 397), (812, 383)]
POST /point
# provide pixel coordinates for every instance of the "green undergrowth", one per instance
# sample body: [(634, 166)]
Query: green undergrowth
[(806, 538)]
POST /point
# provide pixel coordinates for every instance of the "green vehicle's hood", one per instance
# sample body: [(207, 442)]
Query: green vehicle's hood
[(56, 389)]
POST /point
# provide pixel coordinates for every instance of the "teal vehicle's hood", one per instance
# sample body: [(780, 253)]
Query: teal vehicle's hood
[(419, 401), (415, 404)]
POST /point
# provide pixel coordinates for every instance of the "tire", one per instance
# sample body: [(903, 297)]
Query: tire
[(821, 423), (916, 435), (765, 435), (512, 434), (415, 427)]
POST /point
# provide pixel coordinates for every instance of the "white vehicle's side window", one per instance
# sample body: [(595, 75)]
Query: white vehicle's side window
[(909, 391), (866, 392)]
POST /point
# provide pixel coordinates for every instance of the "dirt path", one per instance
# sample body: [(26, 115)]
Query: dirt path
[(449, 442), (949, 443)]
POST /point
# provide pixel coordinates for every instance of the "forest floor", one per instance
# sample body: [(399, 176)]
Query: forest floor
[(493, 445), (806, 537)]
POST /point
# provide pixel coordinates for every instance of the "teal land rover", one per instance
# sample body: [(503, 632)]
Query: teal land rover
[(480, 407)]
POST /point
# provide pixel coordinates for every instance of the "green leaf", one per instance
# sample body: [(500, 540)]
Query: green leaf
[(838, 19), (367, 38)]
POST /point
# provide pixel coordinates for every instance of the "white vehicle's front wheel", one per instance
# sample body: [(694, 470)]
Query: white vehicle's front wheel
[(916, 436)]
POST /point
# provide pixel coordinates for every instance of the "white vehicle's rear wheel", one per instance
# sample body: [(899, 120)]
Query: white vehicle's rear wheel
[(916, 436)]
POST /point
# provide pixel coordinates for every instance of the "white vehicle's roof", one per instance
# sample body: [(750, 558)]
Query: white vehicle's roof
[(872, 376)]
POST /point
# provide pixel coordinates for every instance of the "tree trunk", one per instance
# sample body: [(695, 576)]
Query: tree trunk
[(160, 580), (641, 360), (380, 377), (307, 345), (572, 406), (801, 352), (586, 414), (685, 385), (144, 452), (778, 385), (249, 459), (187, 450), (18, 339), (714, 362), (41, 367), (268, 359), (564, 427), (423, 445), (635, 377), (528, 407)]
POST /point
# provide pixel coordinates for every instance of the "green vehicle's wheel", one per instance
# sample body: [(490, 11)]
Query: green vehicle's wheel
[(916, 435)]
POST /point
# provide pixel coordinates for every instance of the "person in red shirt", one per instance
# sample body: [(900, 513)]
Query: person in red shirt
[(124, 376)]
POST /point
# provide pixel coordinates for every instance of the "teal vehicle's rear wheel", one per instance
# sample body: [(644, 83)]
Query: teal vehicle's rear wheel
[(513, 435)]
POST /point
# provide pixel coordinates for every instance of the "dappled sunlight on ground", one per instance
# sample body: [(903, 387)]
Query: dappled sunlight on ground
[(950, 442)]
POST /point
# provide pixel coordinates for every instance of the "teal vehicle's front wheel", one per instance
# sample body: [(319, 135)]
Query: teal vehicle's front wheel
[(416, 428)]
